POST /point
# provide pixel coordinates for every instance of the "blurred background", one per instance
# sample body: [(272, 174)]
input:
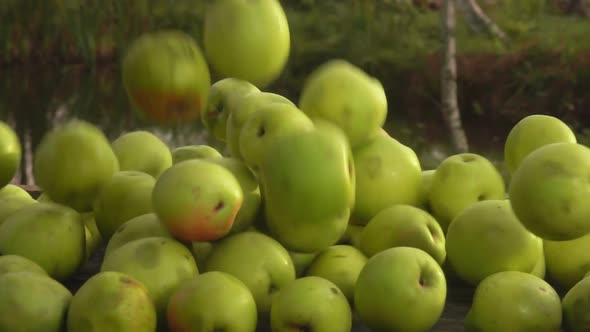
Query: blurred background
[(60, 59)]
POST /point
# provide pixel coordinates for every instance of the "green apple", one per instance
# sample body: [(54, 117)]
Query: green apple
[(400, 289), (540, 268), (10, 154), (460, 181), (215, 115), (197, 200), (487, 238), (514, 301), (9, 205), (32, 302), (212, 301), (111, 301), (262, 128), (201, 252), (387, 173), (344, 94), (15, 263), (404, 226), (567, 261), (127, 195), (575, 306), (160, 264), (240, 109), (250, 190), (424, 192), (166, 77), (73, 162), (352, 235), (145, 225), (308, 183), (187, 152), (92, 234), (531, 133), (301, 261), (549, 191), (249, 40), (310, 304), (341, 264), (142, 151), (49, 234), (11, 190), (258, 260)]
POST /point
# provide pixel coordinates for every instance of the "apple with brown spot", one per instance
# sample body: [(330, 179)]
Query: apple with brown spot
[(197, 200)]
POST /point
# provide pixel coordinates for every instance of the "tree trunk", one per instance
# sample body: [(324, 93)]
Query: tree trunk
[(479, 21), (450, 107)]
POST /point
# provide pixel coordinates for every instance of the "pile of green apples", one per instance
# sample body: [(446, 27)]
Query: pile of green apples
[(312, 218)]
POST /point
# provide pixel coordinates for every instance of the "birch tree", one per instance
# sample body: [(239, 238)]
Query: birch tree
[(479, 21)]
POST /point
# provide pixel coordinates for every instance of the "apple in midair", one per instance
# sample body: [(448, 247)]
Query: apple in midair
[(460, 181), (487, 238), (10, 153), (308, 188), (531, 133), (248, 40), (550, 191), (310, 304), (344, 94), (514, 301), (197, 200), (212, 301), (215, 116), (257, 260), (142, 151), (387, 173), (404, 226), (391, 281)]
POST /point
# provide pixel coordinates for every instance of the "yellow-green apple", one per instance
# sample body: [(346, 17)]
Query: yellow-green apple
[(308, 180), (92, 235), (11, 190), (197, 200), (200, 151), (9, 205), (111, 301), (540, 268), (127, 195), (310, 304), (262, 128), (404, 226), (33, 302), (215, 116), (240, 109), (301, 261), (514, 301), (394, 278), (424, 192), (549, 191), (344, 94), (257, 260), (201, 252), (487, 238), (10, 153), (212, 301), (166, 77), (49, 234), (248, 40), (352, 235), (341, 264), (387, 173), (575, 306), (160, 264), (567, 261), (73, 162), (460, 181), (145, 225), (531, 133), (142, 151), (15, 263), (250, 191)]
